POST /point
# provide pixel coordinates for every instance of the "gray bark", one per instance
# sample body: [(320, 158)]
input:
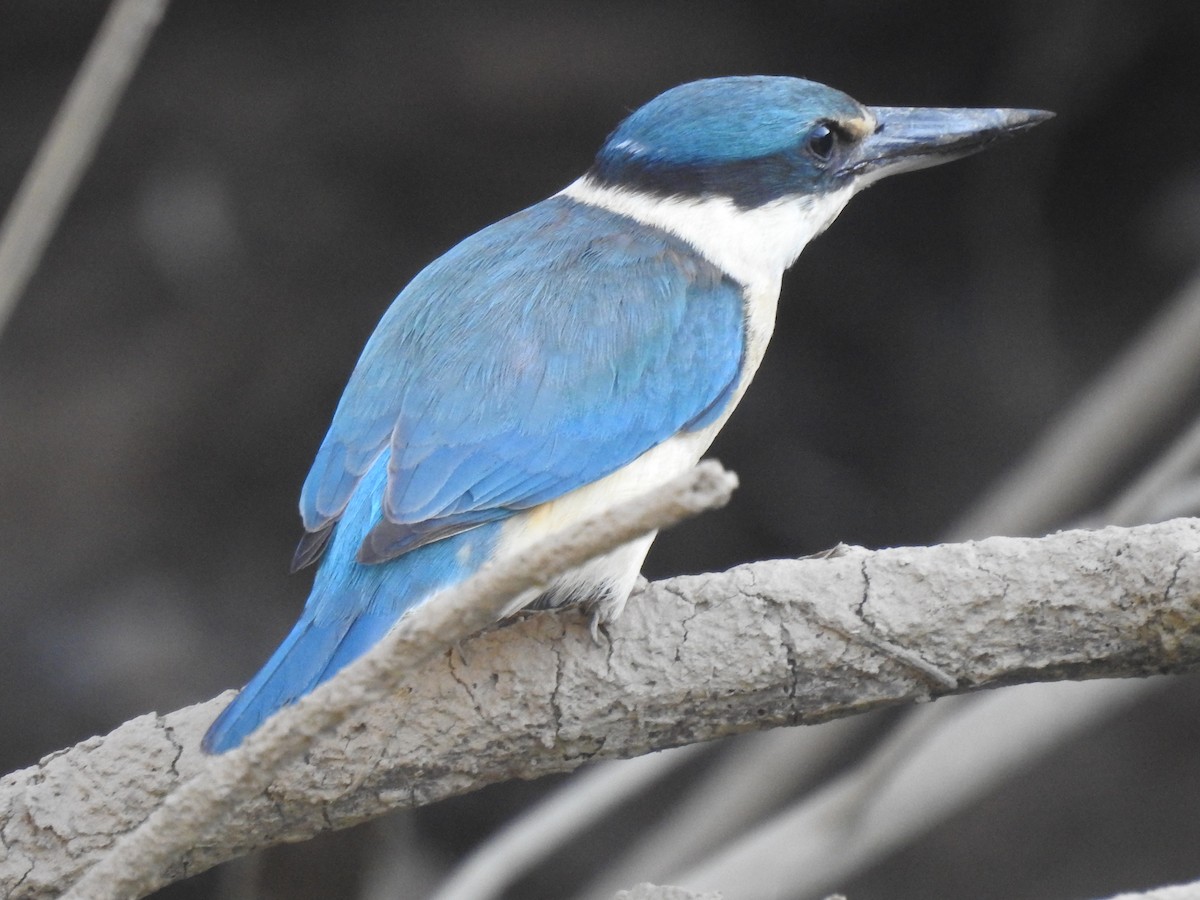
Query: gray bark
[(774, 643)]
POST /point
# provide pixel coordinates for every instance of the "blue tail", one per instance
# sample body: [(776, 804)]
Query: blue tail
[(311, 654), (351, 607)]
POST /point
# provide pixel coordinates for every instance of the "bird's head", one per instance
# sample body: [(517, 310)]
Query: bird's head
[(759, 139)]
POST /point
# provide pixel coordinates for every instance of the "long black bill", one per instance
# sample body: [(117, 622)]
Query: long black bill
[(908, 138)]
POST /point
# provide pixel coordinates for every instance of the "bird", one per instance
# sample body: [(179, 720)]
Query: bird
[(577, 353)]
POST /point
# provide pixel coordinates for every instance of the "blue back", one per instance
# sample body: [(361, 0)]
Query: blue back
[(538, 355)]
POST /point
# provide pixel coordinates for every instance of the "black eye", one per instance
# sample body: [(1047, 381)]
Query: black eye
[(820, 143)]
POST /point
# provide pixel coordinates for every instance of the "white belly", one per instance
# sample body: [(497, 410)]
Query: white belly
[(607, 580)]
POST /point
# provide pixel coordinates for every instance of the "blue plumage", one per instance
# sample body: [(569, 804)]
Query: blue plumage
[(744, 138), (585, 349), (613, 337), (350, 608), (723, 120), (537, 356)]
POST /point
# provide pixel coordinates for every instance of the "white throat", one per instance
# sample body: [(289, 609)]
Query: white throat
[(753, 246)]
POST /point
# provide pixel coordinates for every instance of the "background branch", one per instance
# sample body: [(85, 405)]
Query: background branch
[(71, 142), (1152, 377), (537, 696)]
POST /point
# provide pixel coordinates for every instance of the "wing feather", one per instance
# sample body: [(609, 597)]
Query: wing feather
[(537, 356)]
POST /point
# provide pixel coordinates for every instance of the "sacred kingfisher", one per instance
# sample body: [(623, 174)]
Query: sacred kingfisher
[(577, 353)]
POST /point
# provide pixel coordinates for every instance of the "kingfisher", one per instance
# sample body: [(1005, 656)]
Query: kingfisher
[(576, 354)]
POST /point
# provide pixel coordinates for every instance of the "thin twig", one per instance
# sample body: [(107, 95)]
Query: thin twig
[(1174, 892), (1138, 502), (1114, 416), (139, 862), (543, 828), (746, 784), (71, 142), (859, 817)]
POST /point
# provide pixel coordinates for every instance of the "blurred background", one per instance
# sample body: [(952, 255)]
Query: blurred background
[(277, 171)]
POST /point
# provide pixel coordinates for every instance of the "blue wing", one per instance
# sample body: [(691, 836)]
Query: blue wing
[(538, 355), (535, 357)]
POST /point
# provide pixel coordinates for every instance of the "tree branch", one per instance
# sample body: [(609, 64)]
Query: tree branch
[(814, 639), (140, 861)]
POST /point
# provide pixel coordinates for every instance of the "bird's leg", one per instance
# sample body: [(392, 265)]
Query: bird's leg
[(596, 625)]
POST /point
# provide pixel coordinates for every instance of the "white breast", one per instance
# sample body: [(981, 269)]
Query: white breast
[(753, 247)]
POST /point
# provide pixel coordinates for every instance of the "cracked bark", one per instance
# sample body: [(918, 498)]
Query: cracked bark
[(694, 658)]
